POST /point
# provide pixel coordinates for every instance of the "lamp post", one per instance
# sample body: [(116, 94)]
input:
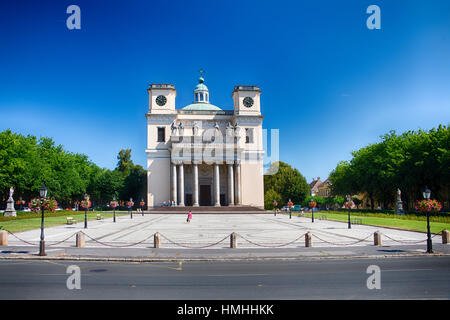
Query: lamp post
[(290, 204), (349, 205), (86, 206), (426, 196), (43, 193), (130, 207), (114, 204), (312, 205), (142, 204)]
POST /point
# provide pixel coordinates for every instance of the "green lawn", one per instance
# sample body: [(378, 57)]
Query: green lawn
[(406, 224), (23, 224)]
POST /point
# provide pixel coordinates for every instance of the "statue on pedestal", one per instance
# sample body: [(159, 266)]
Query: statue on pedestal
[(195, 128), (399, 206), (10, 211), (173, 127)]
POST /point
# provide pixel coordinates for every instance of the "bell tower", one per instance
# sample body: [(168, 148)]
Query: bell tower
[(247, 100), (161, 98)]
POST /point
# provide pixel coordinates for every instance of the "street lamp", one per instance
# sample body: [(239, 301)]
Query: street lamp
[(426, 195), (43, 193), (312, 205), (86, 198), (130, 207), (349, 205), (275, 204), (114, 204), (142, 204)]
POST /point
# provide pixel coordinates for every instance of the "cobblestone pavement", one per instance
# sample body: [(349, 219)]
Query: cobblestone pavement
[(213, 231)]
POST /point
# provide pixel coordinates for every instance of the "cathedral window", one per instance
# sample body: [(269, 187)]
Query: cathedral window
[(161, 135)]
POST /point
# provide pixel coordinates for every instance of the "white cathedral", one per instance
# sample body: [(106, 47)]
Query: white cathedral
[(201, 155)]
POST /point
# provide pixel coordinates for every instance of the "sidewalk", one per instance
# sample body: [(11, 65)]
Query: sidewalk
[(161, 254), (207, 237)]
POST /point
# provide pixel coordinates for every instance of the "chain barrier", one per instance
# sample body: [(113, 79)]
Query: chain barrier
[(268, 246), (30, 243), (53, 244), (115, 246), (408, 241), (220, 241), (343, 244), (184, 246)]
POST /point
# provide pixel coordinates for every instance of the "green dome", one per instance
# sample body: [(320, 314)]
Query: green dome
[(201, 87), (202, 107)]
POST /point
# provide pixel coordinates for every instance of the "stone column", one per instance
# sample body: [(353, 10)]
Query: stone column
[(238, 199), (195, 196), (156, 240), (181, 184), (445, 236), (216, 185), (80, 240), (174, 183), (230, 185), (377, 238), (3, 238)]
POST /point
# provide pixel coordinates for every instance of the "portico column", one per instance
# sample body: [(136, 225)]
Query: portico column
[(230, 185), (216, 186), (238, 199), (174, 183), (181, 184), (195, 204)]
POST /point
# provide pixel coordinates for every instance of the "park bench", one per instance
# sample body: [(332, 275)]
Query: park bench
[(99, 217), (357, 221), (323, 217), (71, 220)]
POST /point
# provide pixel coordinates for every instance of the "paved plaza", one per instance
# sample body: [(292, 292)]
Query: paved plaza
[(212, 231)]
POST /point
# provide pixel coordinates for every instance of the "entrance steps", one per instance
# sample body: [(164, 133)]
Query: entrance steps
[(207, 210)]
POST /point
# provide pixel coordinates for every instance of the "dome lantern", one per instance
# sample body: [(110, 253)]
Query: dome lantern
[(201, 92)]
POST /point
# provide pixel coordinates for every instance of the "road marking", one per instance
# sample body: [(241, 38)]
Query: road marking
[(237, 275), (405, 270)]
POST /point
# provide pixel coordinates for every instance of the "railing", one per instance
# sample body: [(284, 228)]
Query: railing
[(206, 112), (162, 86), (247, 88)]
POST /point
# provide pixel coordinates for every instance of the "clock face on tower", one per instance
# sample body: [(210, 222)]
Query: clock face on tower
[(161, 100), (248, 102)]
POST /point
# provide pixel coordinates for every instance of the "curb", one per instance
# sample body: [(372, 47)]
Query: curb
[(143, 260)]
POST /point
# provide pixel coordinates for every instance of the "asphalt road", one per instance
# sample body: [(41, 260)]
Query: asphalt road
[(400, 278)]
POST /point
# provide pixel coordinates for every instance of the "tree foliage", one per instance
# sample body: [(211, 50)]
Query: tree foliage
[(27, 162), (286, 182), (409, 161)]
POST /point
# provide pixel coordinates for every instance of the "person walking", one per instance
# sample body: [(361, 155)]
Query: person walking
[(189, 217)]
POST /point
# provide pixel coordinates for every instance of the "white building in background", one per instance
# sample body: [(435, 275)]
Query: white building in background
[(201, 155)]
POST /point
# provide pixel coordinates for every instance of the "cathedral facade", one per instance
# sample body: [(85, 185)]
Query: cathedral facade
[(202, 155)]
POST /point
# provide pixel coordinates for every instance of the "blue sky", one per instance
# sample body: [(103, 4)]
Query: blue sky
[(329, 84)]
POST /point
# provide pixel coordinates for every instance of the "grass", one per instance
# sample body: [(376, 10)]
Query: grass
[(28, 221), (399, 222)]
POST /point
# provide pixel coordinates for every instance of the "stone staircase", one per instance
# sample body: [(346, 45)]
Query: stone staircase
[(206, 210)]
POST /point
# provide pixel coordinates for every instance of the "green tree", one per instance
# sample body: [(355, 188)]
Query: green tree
[(409, 161), (287, 182), (269, 196)]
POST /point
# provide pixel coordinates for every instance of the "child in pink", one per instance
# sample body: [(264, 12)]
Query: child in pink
[(189, 216)]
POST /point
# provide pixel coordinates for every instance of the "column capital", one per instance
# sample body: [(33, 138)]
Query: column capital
[(197, 162), (230, 162)]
